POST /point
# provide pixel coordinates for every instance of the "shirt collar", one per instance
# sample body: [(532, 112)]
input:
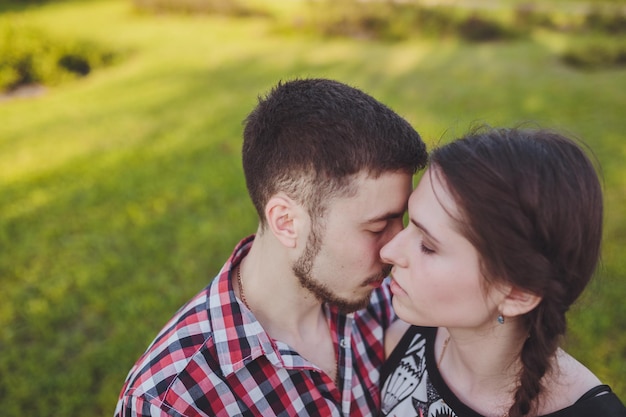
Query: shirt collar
[(238, 336)]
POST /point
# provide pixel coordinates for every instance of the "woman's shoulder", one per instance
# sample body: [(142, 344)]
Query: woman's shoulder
[(598, 401), (568, 384), (570, 378)]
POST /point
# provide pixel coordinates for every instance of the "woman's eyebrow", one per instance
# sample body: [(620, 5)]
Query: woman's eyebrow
[(424, 230)]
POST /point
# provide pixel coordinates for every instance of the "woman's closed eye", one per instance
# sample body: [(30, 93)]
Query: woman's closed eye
[(426, 250)]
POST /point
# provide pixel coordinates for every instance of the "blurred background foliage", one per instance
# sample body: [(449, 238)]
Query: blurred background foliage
[(121, 191), (30, 56)]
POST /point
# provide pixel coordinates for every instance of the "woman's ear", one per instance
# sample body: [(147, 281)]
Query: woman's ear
[(282, 214), (518, 302)]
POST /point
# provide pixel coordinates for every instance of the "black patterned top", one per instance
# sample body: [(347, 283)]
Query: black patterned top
[(413, 386)]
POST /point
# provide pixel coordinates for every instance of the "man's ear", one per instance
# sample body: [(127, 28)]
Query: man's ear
[(283, 214), (518, 302)]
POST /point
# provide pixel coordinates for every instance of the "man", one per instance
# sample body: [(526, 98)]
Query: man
[(293, 324)]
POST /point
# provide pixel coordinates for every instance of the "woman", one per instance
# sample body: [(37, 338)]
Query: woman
[(504, 235)]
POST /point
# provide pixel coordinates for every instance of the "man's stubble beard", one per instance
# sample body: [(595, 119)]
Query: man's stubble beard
[(303, 267)]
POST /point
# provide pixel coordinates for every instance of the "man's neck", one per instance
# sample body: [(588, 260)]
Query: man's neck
[(286, 310)]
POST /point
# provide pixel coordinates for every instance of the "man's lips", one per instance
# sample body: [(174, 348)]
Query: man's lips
[(375, 282)]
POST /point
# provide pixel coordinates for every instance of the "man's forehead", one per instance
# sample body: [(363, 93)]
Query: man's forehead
[(375, 199)]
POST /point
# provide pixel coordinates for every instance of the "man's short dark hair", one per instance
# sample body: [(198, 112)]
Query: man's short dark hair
[(310, 137)]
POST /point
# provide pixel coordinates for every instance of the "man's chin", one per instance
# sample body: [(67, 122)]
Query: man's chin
[(350, 306)]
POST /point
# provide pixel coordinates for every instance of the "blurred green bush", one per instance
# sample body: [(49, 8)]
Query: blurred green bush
[(606, 19), (224, 7), (29, 55), (397, 20), (400, 20), (597, 54)]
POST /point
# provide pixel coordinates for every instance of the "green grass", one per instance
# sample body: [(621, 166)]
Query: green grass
[(121, 194)]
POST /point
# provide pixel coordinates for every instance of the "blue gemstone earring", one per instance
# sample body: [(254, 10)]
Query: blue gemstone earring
[(500, 319)]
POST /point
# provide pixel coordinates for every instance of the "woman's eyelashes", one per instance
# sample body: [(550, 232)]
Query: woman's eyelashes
[(426, 249)]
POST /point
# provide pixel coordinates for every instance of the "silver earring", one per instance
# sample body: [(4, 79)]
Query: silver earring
[(500, 319)]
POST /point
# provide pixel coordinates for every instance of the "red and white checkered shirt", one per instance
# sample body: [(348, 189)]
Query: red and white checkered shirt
[(213, 358)]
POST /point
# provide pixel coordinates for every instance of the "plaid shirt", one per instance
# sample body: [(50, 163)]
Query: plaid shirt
[(213, 358)]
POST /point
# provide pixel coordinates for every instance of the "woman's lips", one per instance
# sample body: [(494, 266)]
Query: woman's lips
[(395, 288)]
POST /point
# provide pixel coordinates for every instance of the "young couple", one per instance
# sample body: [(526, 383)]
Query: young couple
[(503, 235)]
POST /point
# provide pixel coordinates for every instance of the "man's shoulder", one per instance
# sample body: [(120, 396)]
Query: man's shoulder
[(184, 355), (187, 334), (186, 351)]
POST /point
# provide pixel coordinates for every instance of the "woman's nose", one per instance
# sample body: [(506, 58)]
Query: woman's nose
[(389, 253)]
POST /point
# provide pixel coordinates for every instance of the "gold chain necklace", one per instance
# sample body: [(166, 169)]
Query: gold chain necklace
[(243, 296)]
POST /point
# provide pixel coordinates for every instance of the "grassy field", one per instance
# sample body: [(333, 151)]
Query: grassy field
[(121, 194)]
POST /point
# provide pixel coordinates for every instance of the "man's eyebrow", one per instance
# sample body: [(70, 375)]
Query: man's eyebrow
[(386, 217), (424, 230)]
